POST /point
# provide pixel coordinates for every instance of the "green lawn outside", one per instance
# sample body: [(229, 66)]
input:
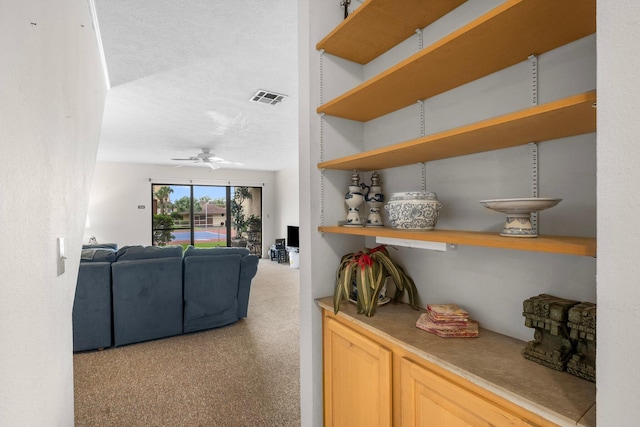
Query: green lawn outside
[(204, 245)]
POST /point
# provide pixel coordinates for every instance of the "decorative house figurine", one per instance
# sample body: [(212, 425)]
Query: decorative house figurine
[(354, 199), (551, 345), (582, 329), (565, 334), (374, 199)]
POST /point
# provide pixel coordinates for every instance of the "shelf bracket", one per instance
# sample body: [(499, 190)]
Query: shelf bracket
[(345, 4), (422, 132), (321, 66), (534, 182), (533, 60), (321, 95), (420, 39), (422, 117)]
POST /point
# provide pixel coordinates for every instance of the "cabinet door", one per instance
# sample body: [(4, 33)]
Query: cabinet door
[(357, 379), (431, 400)]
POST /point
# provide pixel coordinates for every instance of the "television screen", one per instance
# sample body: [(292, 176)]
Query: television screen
[(293, 236)]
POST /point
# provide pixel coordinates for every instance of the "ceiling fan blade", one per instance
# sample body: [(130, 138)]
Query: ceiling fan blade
[(227, 162), (210, 159)]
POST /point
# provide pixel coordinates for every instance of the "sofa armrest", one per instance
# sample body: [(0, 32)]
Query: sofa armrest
[(211, 291), (92, 307), (248, 270)]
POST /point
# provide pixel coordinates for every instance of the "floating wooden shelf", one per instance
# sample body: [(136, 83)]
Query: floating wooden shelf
[(583, 246), (378, 25), (503, 37), (570, 116)]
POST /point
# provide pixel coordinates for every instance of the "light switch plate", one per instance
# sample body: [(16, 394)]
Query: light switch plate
[(61, 256)]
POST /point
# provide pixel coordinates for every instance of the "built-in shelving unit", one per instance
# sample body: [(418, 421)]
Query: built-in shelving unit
[(505, 36), (354, 40), (570, 116), (583, 246), (500, 38)]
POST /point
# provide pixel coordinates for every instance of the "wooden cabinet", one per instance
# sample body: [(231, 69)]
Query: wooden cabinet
[(431, 400), (357, 386), (373, 378), (500, 38)]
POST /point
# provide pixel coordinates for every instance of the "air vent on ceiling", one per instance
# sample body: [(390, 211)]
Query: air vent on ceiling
[(266, 97)]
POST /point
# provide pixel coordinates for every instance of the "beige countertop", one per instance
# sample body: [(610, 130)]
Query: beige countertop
[(492, 361)]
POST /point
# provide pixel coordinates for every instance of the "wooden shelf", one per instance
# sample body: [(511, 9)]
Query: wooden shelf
[(378, 25), (570, 116), (583, 246), (505, 36)]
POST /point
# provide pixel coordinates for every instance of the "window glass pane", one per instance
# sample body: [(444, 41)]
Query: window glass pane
[(246, 217), (207, 216), (210, 216), (168, 225)]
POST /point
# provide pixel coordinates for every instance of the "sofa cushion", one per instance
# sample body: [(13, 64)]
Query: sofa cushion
[(147, 298), (192, 251), (113, 246), (129, 253), (211, 291), (98, 255)]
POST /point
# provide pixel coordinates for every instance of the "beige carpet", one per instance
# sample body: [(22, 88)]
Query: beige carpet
[(245, 374)]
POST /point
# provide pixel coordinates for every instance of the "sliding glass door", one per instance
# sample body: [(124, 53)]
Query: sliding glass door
[(207, 216)]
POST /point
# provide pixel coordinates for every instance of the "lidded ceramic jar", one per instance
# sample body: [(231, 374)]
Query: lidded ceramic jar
[(413, 210)]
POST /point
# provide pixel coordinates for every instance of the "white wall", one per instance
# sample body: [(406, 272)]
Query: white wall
[(288, 200), (119, 188), (490, 283), (618, 180), (52, 91)]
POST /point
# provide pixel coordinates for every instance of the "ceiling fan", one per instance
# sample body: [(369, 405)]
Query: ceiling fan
[(209, 159)]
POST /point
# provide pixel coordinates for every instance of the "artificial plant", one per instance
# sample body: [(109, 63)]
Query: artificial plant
[(368, 270)]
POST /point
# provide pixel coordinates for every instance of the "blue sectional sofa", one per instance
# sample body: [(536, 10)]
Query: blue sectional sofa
[(216, 286), (92, 303), (147, 292)]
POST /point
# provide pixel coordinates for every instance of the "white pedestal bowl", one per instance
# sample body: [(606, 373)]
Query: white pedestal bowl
[(518, 213)]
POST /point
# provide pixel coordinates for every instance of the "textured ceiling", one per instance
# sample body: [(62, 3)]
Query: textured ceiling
[(182, 74)]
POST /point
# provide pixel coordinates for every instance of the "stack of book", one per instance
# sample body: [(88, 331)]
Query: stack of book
[(448, 321)]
